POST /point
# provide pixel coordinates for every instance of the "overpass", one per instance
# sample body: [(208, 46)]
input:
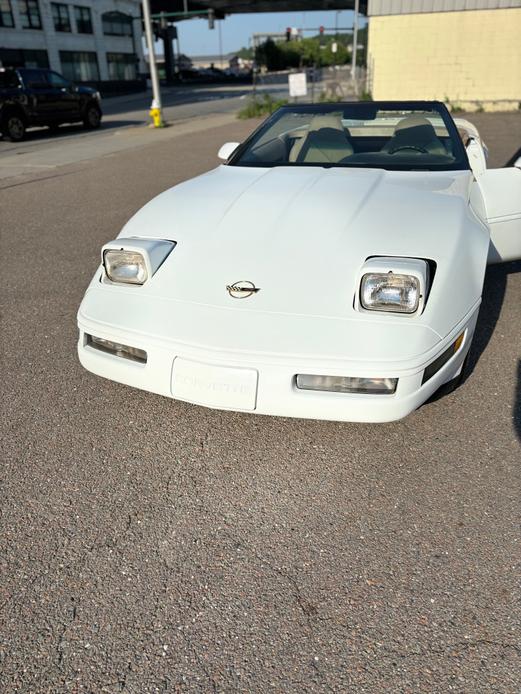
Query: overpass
[(221, 8)]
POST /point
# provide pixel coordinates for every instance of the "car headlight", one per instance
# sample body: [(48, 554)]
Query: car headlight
[(390, 292), (393, 285), (97, 96), (124, 266), (134, 260)]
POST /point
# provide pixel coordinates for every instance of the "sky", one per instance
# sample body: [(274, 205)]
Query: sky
[(196, 39)]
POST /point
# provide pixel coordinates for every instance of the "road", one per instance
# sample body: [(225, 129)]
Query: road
[(148, 545)]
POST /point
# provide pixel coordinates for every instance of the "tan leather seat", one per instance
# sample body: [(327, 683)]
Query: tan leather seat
[(415, 132), (325, 142)]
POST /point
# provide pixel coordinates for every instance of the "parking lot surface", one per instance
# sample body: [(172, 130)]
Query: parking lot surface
[(148, 545)]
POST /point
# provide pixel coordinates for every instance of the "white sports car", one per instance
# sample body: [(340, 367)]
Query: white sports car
[(332, 268)]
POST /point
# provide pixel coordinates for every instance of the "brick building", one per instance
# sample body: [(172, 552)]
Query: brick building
[(466, 52), (85, 40)]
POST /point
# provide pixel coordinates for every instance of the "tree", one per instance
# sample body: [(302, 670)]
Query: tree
[(245, 53), (311, 51)]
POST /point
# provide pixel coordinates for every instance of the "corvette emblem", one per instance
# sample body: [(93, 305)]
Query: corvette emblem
[(242, 290)]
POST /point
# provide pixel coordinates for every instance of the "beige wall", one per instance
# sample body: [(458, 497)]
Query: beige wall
[(473, 57)]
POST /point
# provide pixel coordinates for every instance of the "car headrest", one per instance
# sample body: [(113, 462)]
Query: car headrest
[(415, 131), (416, 128), (326, 120)]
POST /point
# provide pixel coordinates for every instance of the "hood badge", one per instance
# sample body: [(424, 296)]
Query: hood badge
[(242, 290)]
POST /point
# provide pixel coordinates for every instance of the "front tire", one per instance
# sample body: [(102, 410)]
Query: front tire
[(13, 127), (92, 117)]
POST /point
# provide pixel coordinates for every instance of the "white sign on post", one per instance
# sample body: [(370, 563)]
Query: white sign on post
[(297, 84), (334, 47)]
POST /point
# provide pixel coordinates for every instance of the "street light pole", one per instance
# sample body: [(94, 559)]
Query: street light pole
[(155, 110), (220, 45)]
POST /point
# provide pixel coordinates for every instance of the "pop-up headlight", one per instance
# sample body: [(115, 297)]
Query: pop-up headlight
[(124, 266), (390, 292), (134, 261), (393, 285)]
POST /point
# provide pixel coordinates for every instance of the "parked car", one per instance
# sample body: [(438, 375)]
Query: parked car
[(37, 97), (333, 268)]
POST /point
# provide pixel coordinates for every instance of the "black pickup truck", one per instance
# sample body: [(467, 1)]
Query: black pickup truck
[(37, 97)]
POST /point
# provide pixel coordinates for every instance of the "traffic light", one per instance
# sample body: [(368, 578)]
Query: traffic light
[(288, 34), (211, 19), (321, 30)]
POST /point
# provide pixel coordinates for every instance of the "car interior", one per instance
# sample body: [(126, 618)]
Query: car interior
[(326, 139)]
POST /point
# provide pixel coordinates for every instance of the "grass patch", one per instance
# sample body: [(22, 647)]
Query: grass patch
[(263, 106), (326, 98)]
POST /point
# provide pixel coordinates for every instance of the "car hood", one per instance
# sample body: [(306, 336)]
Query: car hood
[(302, 235)]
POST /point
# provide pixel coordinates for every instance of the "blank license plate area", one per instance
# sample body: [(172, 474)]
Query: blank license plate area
[(214, 386)]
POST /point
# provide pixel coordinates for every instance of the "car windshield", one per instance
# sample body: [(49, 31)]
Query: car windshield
[(371, 135)]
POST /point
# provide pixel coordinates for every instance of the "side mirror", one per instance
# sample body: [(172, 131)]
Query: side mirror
[(476, 156), (227, 150)]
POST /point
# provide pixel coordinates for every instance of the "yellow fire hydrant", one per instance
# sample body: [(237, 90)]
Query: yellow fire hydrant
[(155, 114)]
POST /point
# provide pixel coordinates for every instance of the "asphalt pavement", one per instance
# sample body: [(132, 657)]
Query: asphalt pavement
[(148, 545)]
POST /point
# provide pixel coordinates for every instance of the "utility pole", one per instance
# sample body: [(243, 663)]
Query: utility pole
[(155, 109), (334, 47), (220, 45), (355, 42)]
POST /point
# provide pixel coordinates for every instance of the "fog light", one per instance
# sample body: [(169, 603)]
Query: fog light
[(347, 384), (118, 350)]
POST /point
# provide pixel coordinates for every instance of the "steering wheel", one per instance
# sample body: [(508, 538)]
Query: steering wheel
[(413, 147)]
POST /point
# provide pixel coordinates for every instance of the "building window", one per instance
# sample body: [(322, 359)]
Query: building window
[(6, 14), (117, 24), (122, 66), (79, 66), (60, 15), (17, 57), (83, 20), (30, 14)]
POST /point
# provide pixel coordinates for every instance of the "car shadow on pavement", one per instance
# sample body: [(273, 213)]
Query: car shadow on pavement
[(517, 402), (514, 158), (494, 290)]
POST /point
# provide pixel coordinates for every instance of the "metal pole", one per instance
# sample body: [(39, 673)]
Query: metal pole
[(220, 45), (156, 92), (336, 40), (355, 41)]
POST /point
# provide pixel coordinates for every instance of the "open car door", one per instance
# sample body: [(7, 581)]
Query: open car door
[(501, 191)]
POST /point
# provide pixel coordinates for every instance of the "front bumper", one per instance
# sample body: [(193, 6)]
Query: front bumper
[(267, 382)]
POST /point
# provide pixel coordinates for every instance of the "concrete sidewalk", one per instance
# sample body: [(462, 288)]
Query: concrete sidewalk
[(34, 157)]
